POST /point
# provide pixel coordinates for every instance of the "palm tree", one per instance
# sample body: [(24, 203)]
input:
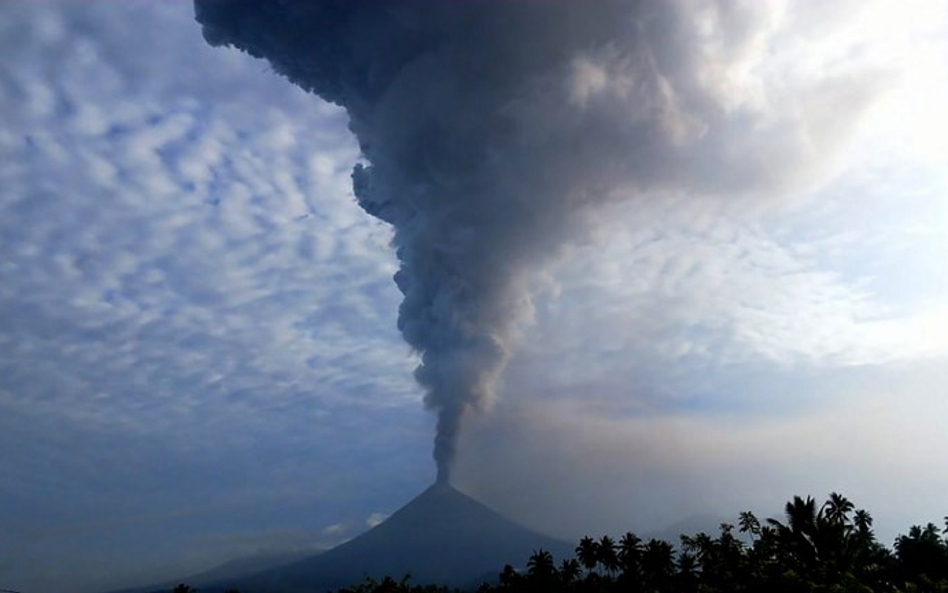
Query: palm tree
[(799, 534), (630, 552), (862, 541), (509, 578), (658, 565), (701, 545), (569, 571), (729, 548), (837, 509), (862, 521), (748, 523), (922, 552), (606, 552), (587, 554), (801, 515), (687, 576), (540, 565)]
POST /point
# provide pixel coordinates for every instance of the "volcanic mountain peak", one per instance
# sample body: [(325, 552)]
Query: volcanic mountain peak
[(441, 502), (441, 536)]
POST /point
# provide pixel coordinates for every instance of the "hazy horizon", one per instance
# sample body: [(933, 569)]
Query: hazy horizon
[(199, 351)]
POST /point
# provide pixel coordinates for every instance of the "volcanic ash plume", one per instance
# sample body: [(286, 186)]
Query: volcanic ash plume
[(490, 128)]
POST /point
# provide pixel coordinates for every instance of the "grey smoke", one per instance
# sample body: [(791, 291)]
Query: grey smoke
[(492, 129)]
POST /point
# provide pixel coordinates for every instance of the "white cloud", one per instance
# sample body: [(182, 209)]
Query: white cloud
[(375, 519), (335, 529), (719, 289)]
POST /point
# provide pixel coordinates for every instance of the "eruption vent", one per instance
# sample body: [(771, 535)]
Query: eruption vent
[(491, 128)]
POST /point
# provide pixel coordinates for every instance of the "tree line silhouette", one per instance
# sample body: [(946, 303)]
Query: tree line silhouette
[(827, 549)]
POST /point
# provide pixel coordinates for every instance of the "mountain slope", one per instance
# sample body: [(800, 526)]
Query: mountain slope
[(442, 536)]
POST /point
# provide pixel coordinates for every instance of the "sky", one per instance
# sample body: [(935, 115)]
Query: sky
[(199, 356)]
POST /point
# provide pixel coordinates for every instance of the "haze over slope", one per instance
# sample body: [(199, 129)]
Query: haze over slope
[(442, 536)]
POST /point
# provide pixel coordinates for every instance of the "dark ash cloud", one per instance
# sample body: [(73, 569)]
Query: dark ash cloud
[(493, 130)]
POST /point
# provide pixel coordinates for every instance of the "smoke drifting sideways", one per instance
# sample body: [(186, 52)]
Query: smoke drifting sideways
[(493, 129)]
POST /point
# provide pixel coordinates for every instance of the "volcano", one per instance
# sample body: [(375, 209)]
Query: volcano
[(442, 536)]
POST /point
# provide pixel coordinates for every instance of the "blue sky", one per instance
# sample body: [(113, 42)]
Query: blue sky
[(198, 351)]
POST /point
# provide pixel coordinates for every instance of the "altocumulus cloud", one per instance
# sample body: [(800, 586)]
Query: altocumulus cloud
[(195, 315)]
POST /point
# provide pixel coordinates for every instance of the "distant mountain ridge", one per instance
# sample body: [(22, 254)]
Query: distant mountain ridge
[(442, 536)]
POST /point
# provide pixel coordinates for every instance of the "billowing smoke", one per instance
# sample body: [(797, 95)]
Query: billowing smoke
[(492, 129)]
